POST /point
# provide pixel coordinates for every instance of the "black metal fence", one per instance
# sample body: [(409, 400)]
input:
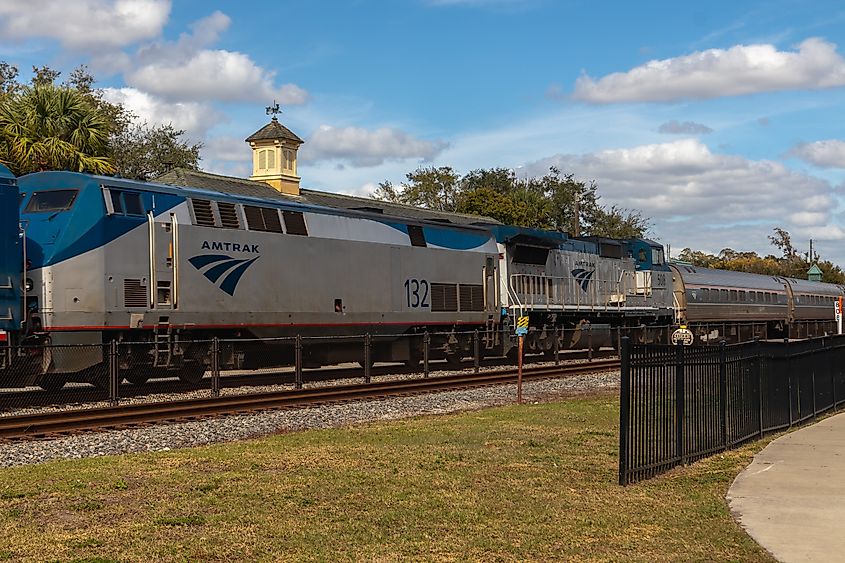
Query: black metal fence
[(91, 375), (680, 404)]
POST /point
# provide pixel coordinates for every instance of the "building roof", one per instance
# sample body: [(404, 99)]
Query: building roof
[(252, 188), (272, 131)]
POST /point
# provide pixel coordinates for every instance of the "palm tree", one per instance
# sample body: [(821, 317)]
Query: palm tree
[(47, 127)]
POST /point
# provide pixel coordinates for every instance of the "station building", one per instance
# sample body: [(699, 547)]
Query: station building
[(274, 176)]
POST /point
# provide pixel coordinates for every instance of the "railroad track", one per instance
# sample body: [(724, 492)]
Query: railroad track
[(54, 424), (84, 393)]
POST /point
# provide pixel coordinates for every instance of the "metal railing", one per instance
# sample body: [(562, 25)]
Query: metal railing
[(93, 374), (567, 292), (679, 404)]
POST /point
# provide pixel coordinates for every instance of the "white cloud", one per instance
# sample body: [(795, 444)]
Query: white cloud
[(675, 127), (187, 69), (194, 117), (743, 69), (826, 154), (705, 200), (227, 149), (362, 147), (84, 24), (684, 178)]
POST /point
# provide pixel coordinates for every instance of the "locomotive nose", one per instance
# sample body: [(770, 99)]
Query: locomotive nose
[(11, 254)]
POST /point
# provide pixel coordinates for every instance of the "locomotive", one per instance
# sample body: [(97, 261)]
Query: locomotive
[(105, 260), (11, 264)]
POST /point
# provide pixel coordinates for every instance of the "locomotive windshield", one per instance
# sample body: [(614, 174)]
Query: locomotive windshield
[(656, 256), (46, 202)]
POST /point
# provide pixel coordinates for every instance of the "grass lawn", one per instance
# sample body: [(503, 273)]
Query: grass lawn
[(533, 482)]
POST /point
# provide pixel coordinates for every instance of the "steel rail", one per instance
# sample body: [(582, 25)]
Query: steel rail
[(11, 399), (64, 422)]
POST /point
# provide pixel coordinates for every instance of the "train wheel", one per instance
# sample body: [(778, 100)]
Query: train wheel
[(415, 354), (513, 354), (192, 373), (137, 377), (52, 382), (453, 359)]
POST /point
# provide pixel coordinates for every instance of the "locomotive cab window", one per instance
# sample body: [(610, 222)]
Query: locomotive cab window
[(51, 201), (656, 256), (124, 202), (536, 255)]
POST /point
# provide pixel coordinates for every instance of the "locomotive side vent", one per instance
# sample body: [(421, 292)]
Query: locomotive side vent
[(134, 293), (472, 297), (444, 297), (202, 212), (272, 223), (254, 218), (228, 215), (295, 223), (262, 219)]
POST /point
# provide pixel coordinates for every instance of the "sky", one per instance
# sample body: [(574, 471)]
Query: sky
[(717, 120)]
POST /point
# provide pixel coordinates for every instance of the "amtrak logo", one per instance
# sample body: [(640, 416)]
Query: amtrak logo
[(583, 277), (223, 266)]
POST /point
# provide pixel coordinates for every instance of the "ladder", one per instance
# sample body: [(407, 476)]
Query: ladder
[(163, 344), (491, 335)]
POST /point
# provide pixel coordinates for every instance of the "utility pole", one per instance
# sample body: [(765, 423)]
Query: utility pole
[(576, 230)]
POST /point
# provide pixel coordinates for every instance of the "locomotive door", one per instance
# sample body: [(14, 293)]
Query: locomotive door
[(491, 285), (164, 261)]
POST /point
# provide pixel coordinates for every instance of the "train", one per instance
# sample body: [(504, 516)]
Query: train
[(94, 260)]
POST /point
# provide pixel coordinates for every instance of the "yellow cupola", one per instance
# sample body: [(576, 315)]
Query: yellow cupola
[(274, 149)]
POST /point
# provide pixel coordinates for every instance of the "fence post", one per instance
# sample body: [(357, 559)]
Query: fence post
[(215, 367), (426, 353), (680, 396), (813, 365), (624, 408), (831, 363), (114, 373), (476, 351), (788, 370), (367, 358), (557, 348), (723, 390), (298, 361), (590, 343), (759, 362)]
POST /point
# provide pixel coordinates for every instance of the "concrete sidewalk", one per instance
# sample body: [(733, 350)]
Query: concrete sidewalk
[(791, 499)]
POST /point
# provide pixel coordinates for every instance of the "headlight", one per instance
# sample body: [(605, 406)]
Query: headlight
[(28, 285)]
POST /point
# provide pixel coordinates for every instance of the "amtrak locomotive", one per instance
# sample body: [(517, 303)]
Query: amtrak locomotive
[(93, 260), (11, 264)]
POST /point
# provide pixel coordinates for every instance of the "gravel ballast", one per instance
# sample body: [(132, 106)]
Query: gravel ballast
[(165, 437)]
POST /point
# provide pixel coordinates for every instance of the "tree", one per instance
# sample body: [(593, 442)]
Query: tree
[(783, 241), (142, 152), (46, 127), (547, 202), (490, 203), (790, 264), (432, 188), (617, 222), (130, 149)]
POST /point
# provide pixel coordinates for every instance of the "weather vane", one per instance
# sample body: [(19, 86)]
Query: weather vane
[(273, 110)]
